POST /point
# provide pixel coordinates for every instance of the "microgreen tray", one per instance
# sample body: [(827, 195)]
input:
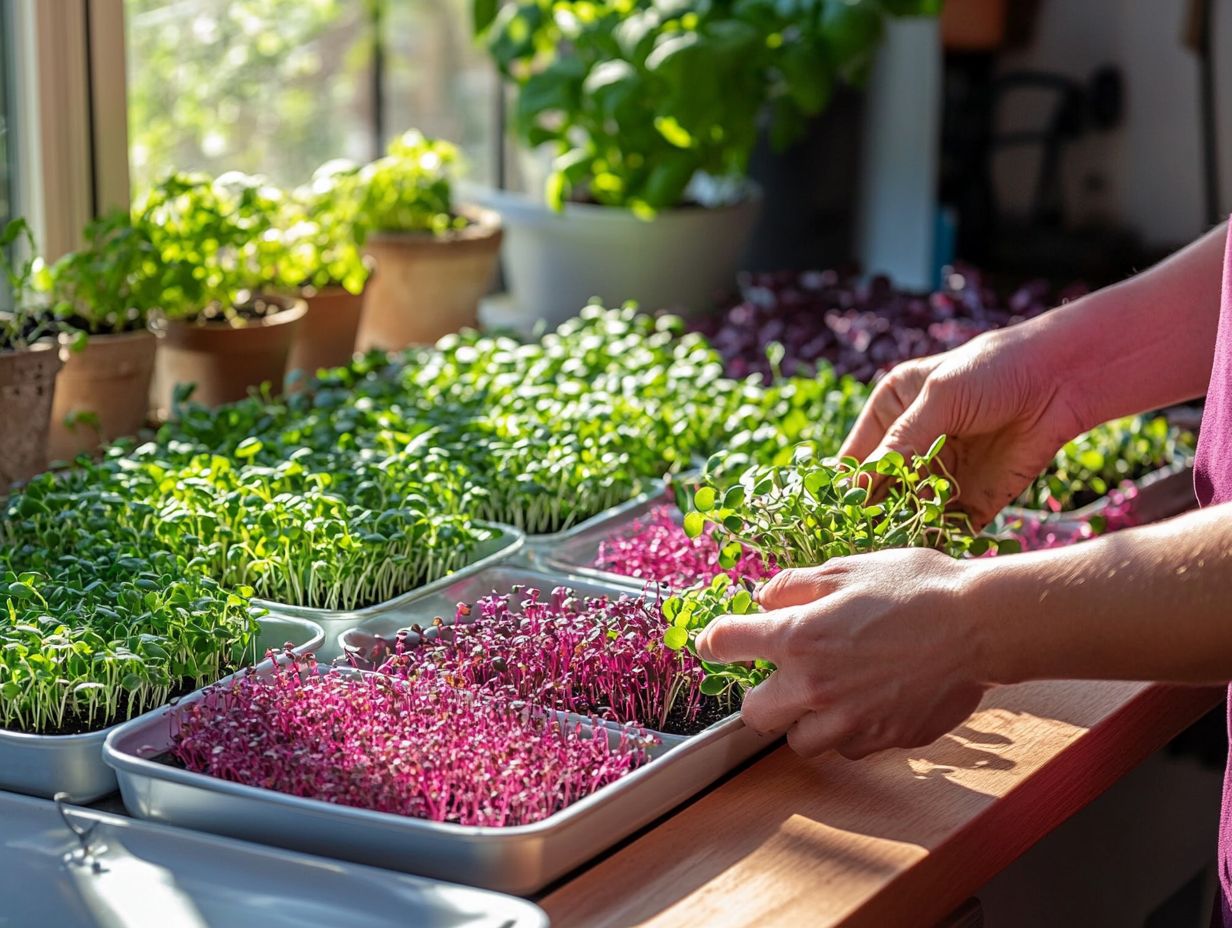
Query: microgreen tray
[(541, 550), (1163, 493), (516, 859), (80, 868), (576, 554), (43, 765), (506, 543)]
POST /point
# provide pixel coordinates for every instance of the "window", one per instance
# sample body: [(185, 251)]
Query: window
[(277, 87), (7, 108)]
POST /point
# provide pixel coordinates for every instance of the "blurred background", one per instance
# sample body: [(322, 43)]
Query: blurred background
[(1076, 140)]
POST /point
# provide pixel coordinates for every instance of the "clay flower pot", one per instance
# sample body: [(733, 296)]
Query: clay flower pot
[(102, 393), (226, 361), (327, 333), (27, 383), (427, 286)]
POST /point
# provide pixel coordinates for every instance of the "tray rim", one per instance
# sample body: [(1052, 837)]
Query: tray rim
[(123, 762)]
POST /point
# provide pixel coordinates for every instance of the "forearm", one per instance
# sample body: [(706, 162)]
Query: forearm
[(1141, 344), (1151, 603)]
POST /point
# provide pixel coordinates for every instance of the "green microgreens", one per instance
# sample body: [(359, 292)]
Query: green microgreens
[(1097, 461), (803, 514), (108, 632)]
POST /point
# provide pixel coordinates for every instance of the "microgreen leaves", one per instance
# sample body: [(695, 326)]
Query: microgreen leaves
[(589, 655), (1097, 461), (806, 513), (416, 747), (100, 635)]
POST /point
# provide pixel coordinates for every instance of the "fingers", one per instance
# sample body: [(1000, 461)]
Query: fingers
[(818, 732), (774, 704), (797, 587), (734, 638), (890, 398)]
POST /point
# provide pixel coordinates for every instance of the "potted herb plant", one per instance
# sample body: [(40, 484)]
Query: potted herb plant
[(29, 361), (323, 262), (103, 292), (433, 260), (223, 327), (649, 112)]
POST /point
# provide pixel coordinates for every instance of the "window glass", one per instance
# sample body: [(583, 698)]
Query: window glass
[(277, 87)]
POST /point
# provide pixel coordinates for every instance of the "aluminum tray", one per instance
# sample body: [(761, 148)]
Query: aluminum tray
[(506, 543), (577, 554), (143, 875), (540, 547), (520, 859), (43, 765), (1161, 494)]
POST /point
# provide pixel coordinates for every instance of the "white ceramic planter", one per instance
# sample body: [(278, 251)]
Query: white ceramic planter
[(555, 262)]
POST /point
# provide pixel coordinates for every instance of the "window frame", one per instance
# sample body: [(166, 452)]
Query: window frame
[(70, 119)]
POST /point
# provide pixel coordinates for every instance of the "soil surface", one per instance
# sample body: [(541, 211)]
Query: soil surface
[(712, 710)]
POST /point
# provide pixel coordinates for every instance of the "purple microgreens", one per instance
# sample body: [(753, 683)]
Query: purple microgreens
[(859, 327), (589, 655), (416, 747), (656, 548)]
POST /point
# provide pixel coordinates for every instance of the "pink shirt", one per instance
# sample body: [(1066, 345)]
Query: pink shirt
[(1213, 484)]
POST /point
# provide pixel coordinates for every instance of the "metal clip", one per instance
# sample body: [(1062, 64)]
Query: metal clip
[(84, 833)]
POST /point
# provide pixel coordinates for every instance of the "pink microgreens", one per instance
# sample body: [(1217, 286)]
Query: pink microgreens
[(593, 656), (1036, 534), (414, 747), (656, 548)]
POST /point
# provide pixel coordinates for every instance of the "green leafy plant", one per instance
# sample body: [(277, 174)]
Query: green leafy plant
[(639, 97), (319, 231), (215, 244), (97, 636), (108, 286), (410, 189), (805, 513), (1097, 461), (30, 319)]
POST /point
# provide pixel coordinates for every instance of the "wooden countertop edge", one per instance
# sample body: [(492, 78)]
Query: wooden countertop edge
[(945, 878)]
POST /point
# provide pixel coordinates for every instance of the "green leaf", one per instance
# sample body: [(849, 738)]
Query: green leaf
[(704, 499), (676, 637), (694, 524), (714, 686)]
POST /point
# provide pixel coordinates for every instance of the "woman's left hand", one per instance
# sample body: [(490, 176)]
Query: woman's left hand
[(872, 652)]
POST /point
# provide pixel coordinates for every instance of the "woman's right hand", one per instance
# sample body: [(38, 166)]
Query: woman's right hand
[(1002, 407)]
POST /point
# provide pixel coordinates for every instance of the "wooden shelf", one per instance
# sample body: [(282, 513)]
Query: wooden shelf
[(903, 838)]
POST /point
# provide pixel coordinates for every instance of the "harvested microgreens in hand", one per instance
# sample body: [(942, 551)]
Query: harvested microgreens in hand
[(802, 515)]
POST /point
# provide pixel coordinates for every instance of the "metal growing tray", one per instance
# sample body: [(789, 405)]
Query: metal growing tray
[(78, 868), (577, 554), (43, 765), (1162, 494), (519, 859), (505, 544), (540, 547)]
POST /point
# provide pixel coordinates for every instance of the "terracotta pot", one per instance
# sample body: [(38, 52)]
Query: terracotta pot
[(225, 361), (326, 335), (973, 25), (428, 286), (102, 393), (27, 383)]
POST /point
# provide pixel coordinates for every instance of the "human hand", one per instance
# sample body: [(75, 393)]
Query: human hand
[(872, 652), (1003, 412)]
